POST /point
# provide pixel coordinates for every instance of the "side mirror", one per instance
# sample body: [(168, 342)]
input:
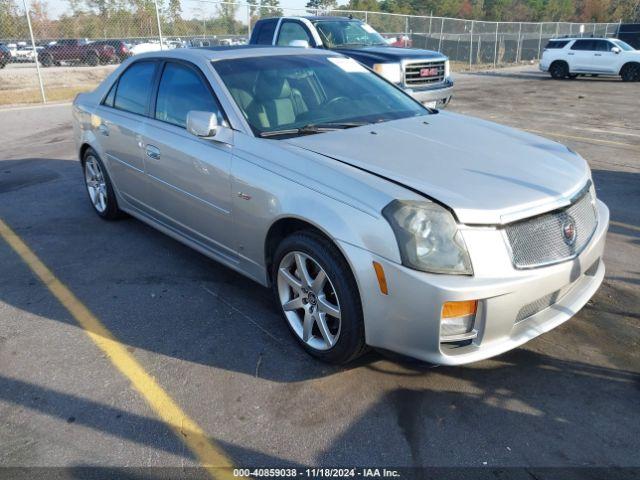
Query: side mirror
[(205, 125), (202, 124), (299, 43), (616, 50)]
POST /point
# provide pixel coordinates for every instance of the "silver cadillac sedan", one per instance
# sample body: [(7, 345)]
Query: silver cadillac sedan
[(376, 222)]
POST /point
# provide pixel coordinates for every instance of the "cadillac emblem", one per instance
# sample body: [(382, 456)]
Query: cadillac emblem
[(569, 231)]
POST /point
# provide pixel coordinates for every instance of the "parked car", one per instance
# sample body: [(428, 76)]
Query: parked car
[(424, 74), (145, 47), (121, 49), (76, 51), (5, 55), (375, 220), (570, 57)]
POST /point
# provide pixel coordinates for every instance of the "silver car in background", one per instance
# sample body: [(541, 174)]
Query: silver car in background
[(376, 221)]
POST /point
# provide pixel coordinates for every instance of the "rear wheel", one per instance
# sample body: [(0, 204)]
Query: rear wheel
[(92, 59), (46, 60), (559, 70), (318, 297), (99, 188), (630, 72)]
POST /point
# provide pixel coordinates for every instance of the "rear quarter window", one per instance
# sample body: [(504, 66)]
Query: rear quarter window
[(266, 30), (134, 88), (557, 44)]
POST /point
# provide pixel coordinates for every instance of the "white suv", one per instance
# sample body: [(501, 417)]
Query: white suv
[(570, 57)]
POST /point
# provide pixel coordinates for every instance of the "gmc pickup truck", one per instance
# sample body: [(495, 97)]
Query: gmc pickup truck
[(77, 51), (423, 74)]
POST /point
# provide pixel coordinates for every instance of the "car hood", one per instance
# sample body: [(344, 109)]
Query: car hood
[(486, 173), (385, 53)]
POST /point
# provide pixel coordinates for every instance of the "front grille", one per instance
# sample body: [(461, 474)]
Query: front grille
[(544, 240), (423, 73), (542, 303)]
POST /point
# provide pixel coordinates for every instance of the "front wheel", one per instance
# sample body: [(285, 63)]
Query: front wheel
[(319, 297), (631, 72)]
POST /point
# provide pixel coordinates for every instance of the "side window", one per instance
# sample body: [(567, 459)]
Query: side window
[(134, 86), (265, 32), (603, 46), (182, 90), (583, 45), (290, 31), (108, 100)]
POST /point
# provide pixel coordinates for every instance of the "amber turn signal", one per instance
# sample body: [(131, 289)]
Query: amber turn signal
[(382, 280), (459, 309)]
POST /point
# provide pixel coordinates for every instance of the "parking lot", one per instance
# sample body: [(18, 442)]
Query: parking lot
[(231, 384)]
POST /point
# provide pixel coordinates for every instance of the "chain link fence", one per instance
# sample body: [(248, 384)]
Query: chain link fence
[(50, 55)]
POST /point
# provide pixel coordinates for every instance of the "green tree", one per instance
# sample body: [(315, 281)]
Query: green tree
[(270, 8)]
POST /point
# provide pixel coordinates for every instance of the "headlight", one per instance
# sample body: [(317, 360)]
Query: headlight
[(447, 68), (390, 71), (428, 237)]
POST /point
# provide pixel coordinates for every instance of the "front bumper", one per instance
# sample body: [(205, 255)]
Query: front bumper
[(441, 95), (407, 320)]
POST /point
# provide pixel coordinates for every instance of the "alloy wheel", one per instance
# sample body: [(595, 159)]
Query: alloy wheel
[(309, 300), (96, 184)]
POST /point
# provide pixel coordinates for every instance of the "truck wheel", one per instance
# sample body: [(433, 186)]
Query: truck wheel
[(92, 59), (630, 72), (46, 60), (559, 70)]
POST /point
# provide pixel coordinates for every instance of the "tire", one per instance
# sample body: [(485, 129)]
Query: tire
[(559, 70), (46, 60), (343, 338), (2, 65), (92, 59), (630, 72), (99, 187)]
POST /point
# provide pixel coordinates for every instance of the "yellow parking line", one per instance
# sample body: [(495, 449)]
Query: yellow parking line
[(211, 457), (580, 139)]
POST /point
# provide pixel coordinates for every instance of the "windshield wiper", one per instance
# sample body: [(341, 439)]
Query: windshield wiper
[(313, 128)]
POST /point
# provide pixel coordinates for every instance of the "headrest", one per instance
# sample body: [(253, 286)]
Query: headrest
[(271, 86)]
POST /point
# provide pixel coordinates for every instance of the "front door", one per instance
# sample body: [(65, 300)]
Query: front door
[(189, 177)]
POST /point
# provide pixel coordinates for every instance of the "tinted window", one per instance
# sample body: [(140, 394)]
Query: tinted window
[(108, 100), (182, 90), (602, 46), (583, 45), (134, 86), (344, 32), (290, 31), (557, 43), (265, 33)]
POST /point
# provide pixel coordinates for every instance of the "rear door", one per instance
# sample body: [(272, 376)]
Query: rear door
[(121, 122), (580, 55), (189, 184)]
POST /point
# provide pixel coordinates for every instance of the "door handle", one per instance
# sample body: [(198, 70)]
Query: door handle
[(597, 54), (152, 152), (103, 129), (570, 53)]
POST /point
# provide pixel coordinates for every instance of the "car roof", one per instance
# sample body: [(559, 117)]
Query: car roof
[(569, 39), (237, 51), (315, 18)]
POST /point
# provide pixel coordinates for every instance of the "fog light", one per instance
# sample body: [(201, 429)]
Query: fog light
[(457, 321)]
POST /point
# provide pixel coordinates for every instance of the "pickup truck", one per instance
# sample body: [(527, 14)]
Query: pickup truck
[(76, 51), (423, 74)]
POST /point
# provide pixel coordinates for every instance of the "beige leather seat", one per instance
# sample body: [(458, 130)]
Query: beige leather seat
[(275, 103)]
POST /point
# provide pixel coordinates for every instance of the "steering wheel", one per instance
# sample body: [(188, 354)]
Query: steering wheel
[(336, 100)]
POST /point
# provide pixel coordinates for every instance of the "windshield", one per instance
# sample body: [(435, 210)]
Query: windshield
[(345, 33), (623, 45), (291, 92)]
